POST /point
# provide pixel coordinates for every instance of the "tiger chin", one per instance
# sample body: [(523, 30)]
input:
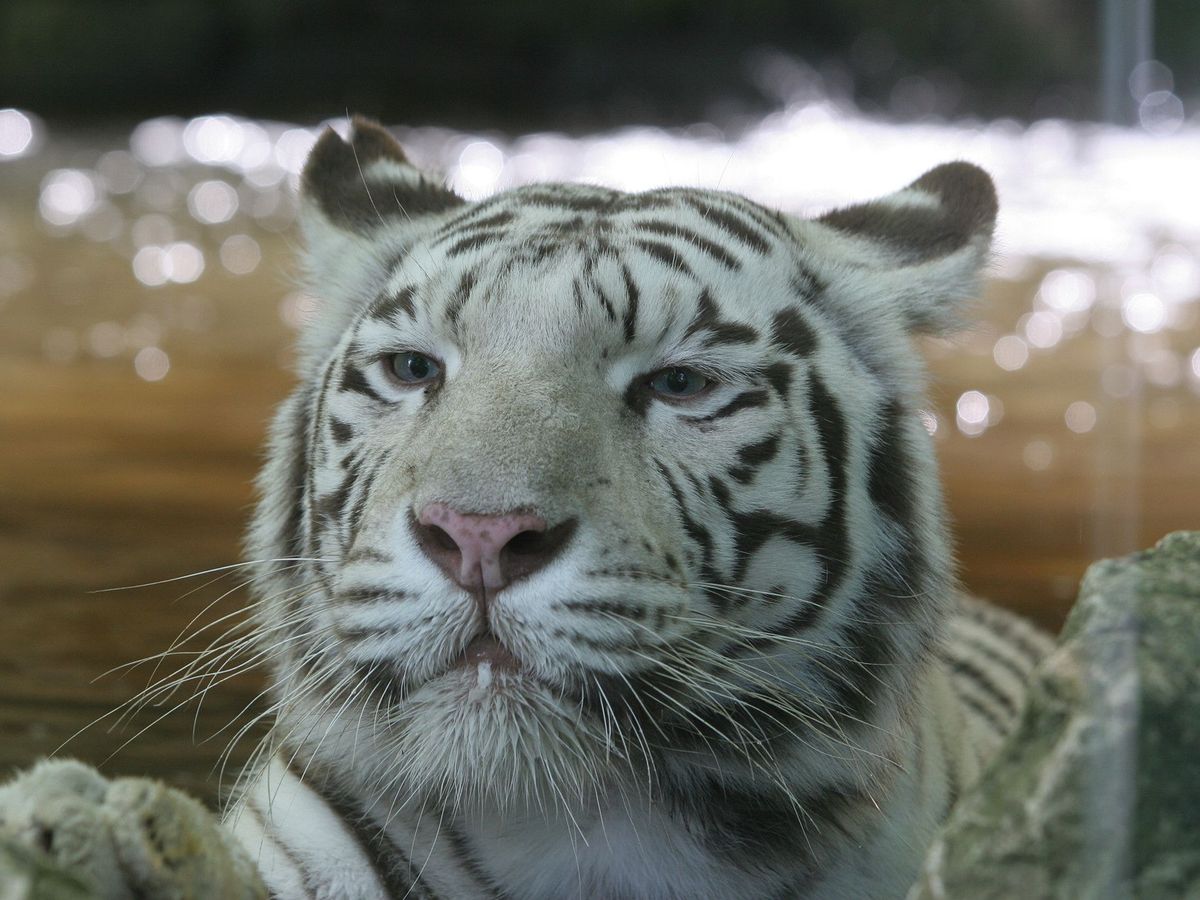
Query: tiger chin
[(601, 550)]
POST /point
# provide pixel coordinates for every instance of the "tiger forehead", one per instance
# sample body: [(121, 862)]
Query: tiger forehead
[(578, 215)]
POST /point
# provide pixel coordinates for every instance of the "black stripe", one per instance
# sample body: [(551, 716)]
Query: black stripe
[(354, 381), (329, 507), (753, 457), (389, 863), (1004, 627), (363, 489), (768, 219), (609, 310), (603, 607), (859, 677), (979, 678), (1018, 671), (473, 241), (571, 199), (988, 715), (465, 854), (341, 431), (581, 199), (701, 243), (298, 455), (665, 254), (891, 485), (760, 452), (631, 305), (471, 221), (399, 302), (700, 536), (311, 889), (779, 376), (310, 457), (733, 225), (745, 400), (721, 331), (790, 332), (369, 594), (806, 284), (829, 539), (459, 298), (764, 828)]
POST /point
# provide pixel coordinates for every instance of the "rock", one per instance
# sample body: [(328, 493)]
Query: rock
[(26, 874), (1097, 794)]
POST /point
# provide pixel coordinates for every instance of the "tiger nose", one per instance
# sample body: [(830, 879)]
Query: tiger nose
[(488, 551)]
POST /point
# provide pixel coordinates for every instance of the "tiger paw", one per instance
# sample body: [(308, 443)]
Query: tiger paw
[(126, 838)]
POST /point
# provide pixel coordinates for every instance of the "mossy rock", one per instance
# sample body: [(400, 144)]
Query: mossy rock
[(1097, 794)]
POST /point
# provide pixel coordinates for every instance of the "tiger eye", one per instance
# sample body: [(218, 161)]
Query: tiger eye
[(678, 382), (414, 368)]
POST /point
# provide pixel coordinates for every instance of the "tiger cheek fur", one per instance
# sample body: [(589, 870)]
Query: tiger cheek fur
[(679, 632)]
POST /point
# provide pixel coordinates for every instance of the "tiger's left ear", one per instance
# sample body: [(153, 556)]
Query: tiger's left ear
[(918, 251)]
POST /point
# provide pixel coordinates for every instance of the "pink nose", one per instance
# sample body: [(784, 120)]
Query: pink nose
[(488, 552)]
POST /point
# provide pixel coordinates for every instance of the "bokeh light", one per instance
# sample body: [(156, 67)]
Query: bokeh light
[(151, 364), (212, 202), (972, 410), (1067, 290), (240, 254), (106, 339), (1038, 455), (1010, 352), (1161, 113), (179, 262), (158, 142), (18, 134), (477, 173), (1043, 329), (67, 196), (1080, 417), (1144, 312), (213, 140)]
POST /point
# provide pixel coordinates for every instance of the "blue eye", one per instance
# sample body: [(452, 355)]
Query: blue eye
[(410, 367), (678, 383)]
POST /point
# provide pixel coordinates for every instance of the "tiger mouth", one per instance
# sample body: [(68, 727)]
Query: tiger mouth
[(486, 649)]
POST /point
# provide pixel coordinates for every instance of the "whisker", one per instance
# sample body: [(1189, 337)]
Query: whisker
[(202, 572)]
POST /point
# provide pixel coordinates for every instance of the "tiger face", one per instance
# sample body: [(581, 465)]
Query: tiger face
[(581, 484)]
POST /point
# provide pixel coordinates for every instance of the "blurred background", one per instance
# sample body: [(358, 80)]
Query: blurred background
[(149, 151)]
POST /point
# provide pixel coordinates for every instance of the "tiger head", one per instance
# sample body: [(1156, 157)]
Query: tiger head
[(580, 483)]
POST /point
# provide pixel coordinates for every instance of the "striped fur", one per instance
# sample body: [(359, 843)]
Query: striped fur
[(735, 678)]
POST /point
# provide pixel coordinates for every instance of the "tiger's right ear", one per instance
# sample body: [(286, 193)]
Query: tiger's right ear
[(368, 182), (362, 203)]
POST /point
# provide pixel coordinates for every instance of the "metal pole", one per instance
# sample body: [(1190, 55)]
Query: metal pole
[(1126, 39)]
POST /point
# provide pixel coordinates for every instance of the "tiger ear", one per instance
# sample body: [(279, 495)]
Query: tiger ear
[(362, 203), (367, 182), (919, 250)]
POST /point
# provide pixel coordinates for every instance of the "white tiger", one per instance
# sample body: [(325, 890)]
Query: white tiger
[(602, 547)]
